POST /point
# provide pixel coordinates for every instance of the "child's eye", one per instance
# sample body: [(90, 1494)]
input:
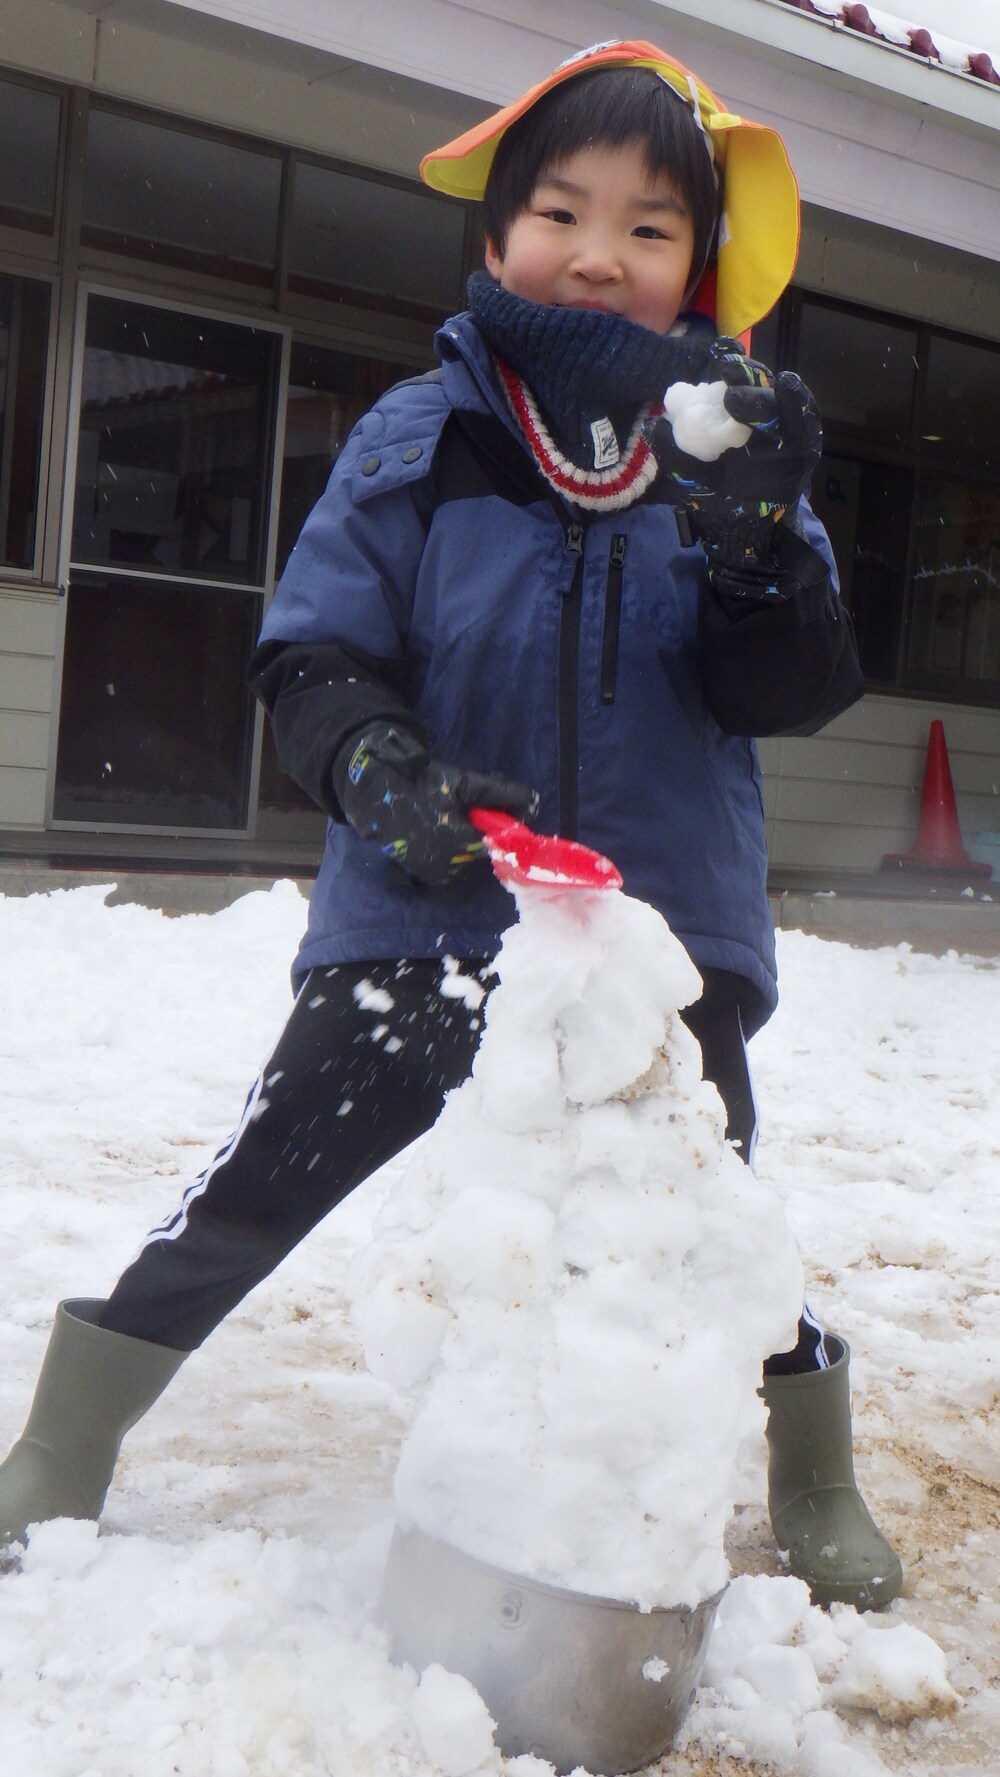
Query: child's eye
[(565, 216), (647, 232)]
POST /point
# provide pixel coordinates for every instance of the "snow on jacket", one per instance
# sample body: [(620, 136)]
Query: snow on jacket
[(440, 579)]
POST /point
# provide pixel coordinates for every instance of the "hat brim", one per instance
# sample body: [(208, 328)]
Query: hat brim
[(760, 228)]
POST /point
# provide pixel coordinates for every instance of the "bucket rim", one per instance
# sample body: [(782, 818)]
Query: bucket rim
[(564, 1594)]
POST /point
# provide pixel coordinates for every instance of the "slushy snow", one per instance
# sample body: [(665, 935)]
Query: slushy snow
[(578, 1278), (699, 421), (222, 1623)]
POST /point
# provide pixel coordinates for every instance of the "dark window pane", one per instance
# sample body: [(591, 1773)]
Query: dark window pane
[(764, 341), (24, 332), (156, 721), (327, 393), (961, 412), (352, 238), (861, 371), (174, 463), (29, 148), (180, 198), (955, 624), (866, 510)]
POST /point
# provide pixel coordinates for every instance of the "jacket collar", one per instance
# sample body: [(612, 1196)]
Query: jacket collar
[(468, 372)]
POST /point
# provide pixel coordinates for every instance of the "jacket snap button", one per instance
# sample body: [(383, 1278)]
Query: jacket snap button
[(370, 465), (411, 455)]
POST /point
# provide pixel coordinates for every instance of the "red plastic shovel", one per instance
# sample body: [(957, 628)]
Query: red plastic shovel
[(539, 859)]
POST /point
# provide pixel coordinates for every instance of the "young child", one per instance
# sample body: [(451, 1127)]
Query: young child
[(518, 591)]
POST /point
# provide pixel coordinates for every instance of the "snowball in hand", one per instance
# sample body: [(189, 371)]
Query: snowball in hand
[(700, 423), (575, 1276)]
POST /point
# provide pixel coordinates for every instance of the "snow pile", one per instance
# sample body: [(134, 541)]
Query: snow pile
[(775, 1663), (237, 1657), (455, 1727), (221, 1622), (700, 423), (578, 1277)]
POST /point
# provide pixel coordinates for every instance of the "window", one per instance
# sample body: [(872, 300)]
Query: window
[(909, 490), (862, 371), (180, 198), (156, 723), (173, 462), (866, 509), (166, 583), (960, 421), (328, 392), (24, 331), (29, 150), (954, 632), (354, 239)]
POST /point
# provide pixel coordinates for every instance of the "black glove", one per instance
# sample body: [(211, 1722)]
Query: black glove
[(390, 790), (734, 504)]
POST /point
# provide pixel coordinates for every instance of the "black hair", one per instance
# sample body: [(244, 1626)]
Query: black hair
[(606, 108)]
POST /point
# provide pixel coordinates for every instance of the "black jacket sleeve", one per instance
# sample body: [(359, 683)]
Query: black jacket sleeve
[(317, 695), (785, 665)]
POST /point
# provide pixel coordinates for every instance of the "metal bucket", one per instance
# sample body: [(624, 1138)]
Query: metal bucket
[(573, 1679)]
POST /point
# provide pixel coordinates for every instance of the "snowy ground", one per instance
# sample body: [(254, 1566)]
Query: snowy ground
[(220, 1626)]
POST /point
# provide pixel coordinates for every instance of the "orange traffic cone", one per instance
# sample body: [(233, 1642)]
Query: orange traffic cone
[(938, 845)]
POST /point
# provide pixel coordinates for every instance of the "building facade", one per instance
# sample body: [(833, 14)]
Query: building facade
[(214, 253)]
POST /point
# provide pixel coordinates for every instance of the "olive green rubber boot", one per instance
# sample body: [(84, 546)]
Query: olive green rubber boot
[(817, 1513), (92, 1388)]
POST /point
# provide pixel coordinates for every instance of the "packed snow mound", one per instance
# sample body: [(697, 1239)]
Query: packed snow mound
[(577, 1277), (220, 1622)]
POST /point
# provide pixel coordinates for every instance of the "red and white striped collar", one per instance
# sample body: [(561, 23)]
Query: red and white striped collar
[(597, 490)]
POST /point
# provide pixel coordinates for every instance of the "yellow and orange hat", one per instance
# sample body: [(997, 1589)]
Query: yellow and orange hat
[(759, 230)]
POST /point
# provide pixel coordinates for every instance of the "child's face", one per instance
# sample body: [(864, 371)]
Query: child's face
[(601, 233)]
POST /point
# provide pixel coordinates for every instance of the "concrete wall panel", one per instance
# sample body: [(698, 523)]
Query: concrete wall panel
[(843, 798), (22, 797)]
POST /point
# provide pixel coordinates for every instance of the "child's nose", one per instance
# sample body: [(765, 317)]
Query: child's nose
[(597, 258)]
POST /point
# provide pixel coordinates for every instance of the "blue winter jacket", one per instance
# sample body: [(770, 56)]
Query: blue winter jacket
[(559, 649)]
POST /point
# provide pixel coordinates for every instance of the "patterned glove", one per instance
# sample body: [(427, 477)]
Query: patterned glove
[(390, 790), (734, 504)]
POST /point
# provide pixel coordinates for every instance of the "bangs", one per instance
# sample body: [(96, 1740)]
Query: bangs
[(606, 108)]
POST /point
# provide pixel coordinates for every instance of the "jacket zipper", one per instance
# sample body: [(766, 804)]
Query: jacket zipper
[(569, 672), (612, 618)]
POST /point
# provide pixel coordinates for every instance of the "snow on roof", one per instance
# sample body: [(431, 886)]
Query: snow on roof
[(930, 45)]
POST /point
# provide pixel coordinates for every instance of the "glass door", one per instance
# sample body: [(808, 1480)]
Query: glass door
[(168, 567)]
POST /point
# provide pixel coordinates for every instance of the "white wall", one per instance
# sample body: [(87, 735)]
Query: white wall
[(28, 634), (841, 799)]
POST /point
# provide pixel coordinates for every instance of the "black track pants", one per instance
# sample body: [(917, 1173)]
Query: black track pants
[(360, 1071)]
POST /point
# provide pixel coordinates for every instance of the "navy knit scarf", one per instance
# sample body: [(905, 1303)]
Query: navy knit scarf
[(587, 370)]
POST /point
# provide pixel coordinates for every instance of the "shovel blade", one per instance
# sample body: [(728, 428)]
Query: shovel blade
[(542, 860)]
